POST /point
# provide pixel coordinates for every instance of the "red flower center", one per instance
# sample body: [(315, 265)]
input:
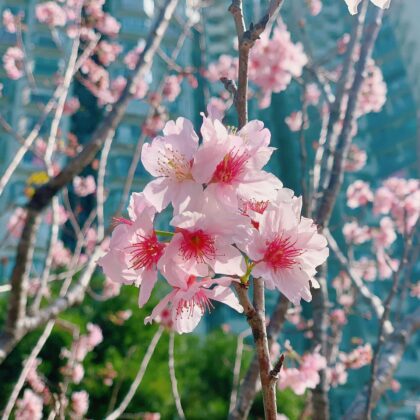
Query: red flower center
[(197, 244), (229, 169), (199, 299), (146, 252), (281, 253)]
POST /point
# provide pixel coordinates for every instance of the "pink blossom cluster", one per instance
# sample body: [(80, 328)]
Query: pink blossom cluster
[(357, 358), (51, 13), (356, 159), (400, 198), (372, 96), (230, 219), (314, 6), (274, 62), (79, 404), (84, 186), (13, 62), (79, 350), (305, 376), (9, 21), (29, 407)]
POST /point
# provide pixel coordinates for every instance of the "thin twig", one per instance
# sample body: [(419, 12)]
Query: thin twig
[(174, 382), (137, 380)]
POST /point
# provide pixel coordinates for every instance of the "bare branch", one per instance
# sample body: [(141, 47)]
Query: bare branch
[(137, 380), (389, 359), (174, 382)]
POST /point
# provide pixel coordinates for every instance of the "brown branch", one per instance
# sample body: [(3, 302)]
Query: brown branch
[(249, 386), (389, 359)]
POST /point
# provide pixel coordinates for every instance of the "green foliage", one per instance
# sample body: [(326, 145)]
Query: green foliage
[(204, 364)]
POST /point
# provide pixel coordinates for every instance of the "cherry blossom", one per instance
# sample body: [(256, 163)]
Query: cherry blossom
[(274, 61), (135, 249), (359, 357), (226, 66), (285, 250), (230, 164), (312, 94), (170, 160), (190, 298), (356, 159), (13, 64), (294, 121), (50, 13), (84, 186), (171, 87), (337, 374), (108, 52), (79, 404), (315, 7), (9, 21), (356, 234), (204, 240), (29, 407), (359, 194), (16, 222)]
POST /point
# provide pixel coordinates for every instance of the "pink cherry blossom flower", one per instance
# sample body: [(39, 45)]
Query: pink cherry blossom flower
[(76, 373), (132, 57), (356, 159), (306, 376), (372, 96), (108, 25), (9, 21), (386, 265), (342, 43), (312, 94), (84, 186), (61, 255), (315, 7), (50, 13), (153, 124), (383, 201), (203, 240), (13, 62), (338, 316), (62, 216), (171, 87), (285, 250), (353, 4), (359, 357), (385, 236), (135, 250), (415, 290), (342, 282), (108, 52), (294, 121), (337, 374), (226, 66), (79, 404), (366, 269), (356, 234), (274, 61), (216, 108), (170, 160), (231, 164), (190, 298), (71, 106), (359, 194), (29, 407), (110, 288)]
